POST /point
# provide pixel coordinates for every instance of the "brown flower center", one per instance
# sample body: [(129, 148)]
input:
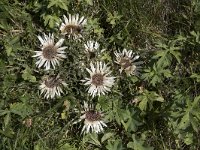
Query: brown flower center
[(97, 79), (125, 62), (92, 115), (52, 82), (72, 29), (49, 52)]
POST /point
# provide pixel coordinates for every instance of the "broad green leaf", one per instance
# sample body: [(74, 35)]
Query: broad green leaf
[(89, 2), (40, 146), (143, 104), (195, 123), (21, 109), (2, 67), (114, 145), (7, 120), (25, 98), (3, 112), (93, 139), (8, 132), (67, 146), (177, 55), (63, 4), (133, 79), (27, 75), (185, 121), (9, 50), (107, 136), (195, 75), (52, 3), (129, 120), (196, 35), (50, 20), (9, 80), (147, 98), (188, 140), (106, 57), (130, 145), (138, 144), (113, 18), (63, 115)]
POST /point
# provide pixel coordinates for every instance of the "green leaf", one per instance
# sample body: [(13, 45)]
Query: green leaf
[(106, 56), (143, 104), (52, 3), (107, 136), (113, 18), (9, 80), (27, 75), (138, 144), (21, 109), (63, 4), (40, 145), (188, 140), (196, 35), (2, 67), (67, 146), (93, 26), (89, 2), (185, 121), (50, 20), (129, 120), (177, 55), (9, 50), (3, 112), (130, 145), (8, 132), (195, 123), (63, 115), (12, 45), (167, 73), (7, 120), (25, 98), (134, 79), (92, 138), (197, 76), (147, 98), (114, 145)]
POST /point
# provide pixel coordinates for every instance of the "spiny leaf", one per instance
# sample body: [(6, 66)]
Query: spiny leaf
[(107, 136), (21, 109), (138, 144), (27, 75)]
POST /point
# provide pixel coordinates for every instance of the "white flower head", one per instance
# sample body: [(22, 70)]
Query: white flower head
[(93, 120), (91, 46), (100, 81), (128, 62), (50, 53), (73, 25), (52, 87)]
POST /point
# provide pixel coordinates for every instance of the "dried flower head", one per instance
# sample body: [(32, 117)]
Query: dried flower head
[(50, 53), (100, 81), (91, 46), (92, 120), (72, 26), (127, 61), (52, 86), (28, 122)]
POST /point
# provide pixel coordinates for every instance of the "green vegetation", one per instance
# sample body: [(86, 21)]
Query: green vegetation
[(157, 108)]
